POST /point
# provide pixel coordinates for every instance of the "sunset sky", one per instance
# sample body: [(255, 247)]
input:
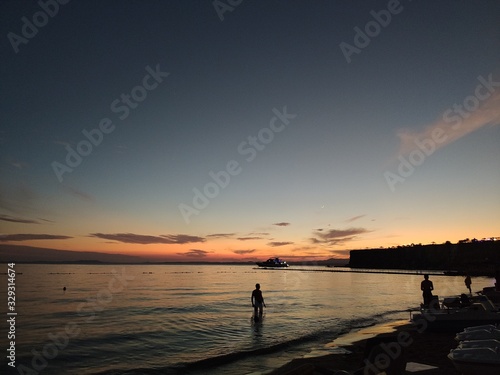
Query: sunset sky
[(199, 130)]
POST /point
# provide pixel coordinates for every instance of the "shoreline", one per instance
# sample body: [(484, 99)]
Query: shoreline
[(425, 352)]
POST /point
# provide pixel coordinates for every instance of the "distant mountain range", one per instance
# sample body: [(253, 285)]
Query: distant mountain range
[(30, 254)]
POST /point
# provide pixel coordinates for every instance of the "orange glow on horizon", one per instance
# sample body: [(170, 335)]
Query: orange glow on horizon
[(238, 250)]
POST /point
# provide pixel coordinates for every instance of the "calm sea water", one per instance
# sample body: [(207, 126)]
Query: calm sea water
[(194, 319)]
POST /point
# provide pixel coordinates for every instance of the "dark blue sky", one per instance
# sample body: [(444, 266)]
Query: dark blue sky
[(337, 160)]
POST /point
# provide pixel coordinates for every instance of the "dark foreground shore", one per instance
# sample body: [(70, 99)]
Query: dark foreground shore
[(424, 352)]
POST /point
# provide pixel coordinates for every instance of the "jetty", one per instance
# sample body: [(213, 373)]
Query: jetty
[(359, 270)]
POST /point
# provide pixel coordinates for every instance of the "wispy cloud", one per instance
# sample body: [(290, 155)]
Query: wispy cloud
[(303, 248), (454, 124), (146, 239), (30, 237), (17, 220), (336, 236), (276, 244), (249, 238), (282, 224), (221, 235), (19, 199), (78, 193), (243, 252), (182, 238), (195, 253), (19, 164), (46, 220), (354, 218)]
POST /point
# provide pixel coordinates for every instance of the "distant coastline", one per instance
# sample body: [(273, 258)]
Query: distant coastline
[(473, 257), (38, 255), (477, 258)]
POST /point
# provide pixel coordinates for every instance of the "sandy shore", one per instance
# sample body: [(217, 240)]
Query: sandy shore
[(426, 348)]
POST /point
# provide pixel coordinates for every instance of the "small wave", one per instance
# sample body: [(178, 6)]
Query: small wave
[(213, 362)]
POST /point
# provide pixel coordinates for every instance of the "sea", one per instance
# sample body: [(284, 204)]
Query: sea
[(194, 319)]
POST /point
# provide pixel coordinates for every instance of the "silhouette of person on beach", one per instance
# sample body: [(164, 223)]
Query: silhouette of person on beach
[(427, 287), (468, 283), (257, 302)]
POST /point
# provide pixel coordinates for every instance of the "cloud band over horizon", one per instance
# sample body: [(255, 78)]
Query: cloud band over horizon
[(146, 239)]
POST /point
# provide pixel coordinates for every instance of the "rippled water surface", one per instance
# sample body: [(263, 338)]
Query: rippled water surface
[(195, 318)]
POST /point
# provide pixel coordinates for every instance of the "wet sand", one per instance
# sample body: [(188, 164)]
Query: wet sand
[(426, 348)]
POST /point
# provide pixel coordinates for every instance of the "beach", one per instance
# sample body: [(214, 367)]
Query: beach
[(425, 353)]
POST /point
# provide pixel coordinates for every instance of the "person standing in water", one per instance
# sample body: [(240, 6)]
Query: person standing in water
[(427, 287), (257, 302), (468, 283)]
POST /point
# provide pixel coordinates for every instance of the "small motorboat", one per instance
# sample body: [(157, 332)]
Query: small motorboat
[(474, 361), (273, 263)]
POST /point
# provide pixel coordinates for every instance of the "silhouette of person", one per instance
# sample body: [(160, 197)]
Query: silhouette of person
[(427, 287), (257, 302), (468, 283)]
